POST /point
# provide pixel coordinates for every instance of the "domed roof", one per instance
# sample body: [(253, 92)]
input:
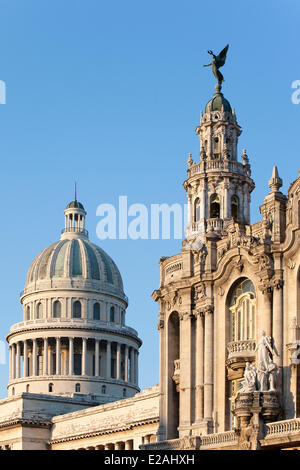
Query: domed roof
[(75, 204), (217, 102), (75, 258)]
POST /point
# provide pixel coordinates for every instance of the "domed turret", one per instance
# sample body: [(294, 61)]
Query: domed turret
[(73, 337)]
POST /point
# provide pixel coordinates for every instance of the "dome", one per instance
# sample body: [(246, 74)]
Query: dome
[(75, 259), (217, 102), (75, 204)]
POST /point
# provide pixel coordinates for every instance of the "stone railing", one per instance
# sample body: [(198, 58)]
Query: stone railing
[(219, 439), (218, 165), (215, 224), (72, 323), (238, 348), (283, 427)]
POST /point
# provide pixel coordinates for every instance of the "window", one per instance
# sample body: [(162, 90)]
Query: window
[(39, 311), (197, 210), (214, 206), (243, 312), (77, 309), (112, 314), (56, 309), (28, 313), (27, 388), (96, 311), (50, 388), (124, 392), (77, 388), (103, 389), (235, 207)]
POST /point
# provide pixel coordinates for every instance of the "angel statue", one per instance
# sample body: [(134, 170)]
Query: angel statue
[(217, 62), (264, 351)]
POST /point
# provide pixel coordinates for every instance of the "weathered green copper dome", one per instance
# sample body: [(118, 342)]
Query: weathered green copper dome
[(217, 102), (75, 205)]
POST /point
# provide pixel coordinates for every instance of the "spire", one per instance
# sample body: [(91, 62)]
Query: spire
[(75, 198), (275, 182)]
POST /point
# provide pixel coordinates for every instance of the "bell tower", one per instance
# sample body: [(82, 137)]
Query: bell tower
[(219, 186)]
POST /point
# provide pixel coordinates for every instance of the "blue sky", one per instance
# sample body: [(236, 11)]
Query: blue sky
[(109, 94)]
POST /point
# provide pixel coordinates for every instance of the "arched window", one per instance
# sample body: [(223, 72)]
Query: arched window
[(13, 391), (103, 389), (214, 206), (39, 311), (216, 143), (112, 314), (197, 210), (27, 312), (50, 388), (124, 392), (96, 311), (235, 207), (77, 388), (76, 309), (242, 306), (27, 388), (56, 309)]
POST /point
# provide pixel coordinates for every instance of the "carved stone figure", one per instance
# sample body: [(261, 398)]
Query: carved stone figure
[(264, 350), (249, 382)]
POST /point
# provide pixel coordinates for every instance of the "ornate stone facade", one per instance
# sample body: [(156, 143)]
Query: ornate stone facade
[(228, 325)]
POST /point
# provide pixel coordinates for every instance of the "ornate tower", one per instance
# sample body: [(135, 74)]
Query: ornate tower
[(219, 186)]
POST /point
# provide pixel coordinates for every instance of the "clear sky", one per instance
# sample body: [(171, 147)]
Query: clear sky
[(109, 94)]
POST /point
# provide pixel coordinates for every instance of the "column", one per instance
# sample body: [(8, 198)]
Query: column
[(108, 359), (185, 395), (10, 362), (97, 349), (118, 361), (71, 356), (58, 359), (83, 357), (199, 366), (278, 326), (266, 312), (131, 365), (208, 364), (129, 445), (136, 372), (46, 356), (33, 357), (13, 350), (25, 359), (126, 362), (18, 359)]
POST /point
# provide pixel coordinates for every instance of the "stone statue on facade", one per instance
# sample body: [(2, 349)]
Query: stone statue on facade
[(264, 351), (217, 62), (249, 382)]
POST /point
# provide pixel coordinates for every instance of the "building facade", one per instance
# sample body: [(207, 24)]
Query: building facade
[(228, 322)]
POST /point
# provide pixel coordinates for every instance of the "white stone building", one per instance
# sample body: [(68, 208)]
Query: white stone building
[(229, 316)]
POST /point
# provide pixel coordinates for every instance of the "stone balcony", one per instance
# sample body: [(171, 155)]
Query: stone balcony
[(285, 434), (218, 165), (239, 352)]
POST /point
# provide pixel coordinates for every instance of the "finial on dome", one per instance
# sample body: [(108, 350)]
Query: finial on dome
[(75, 197), (275, 182)]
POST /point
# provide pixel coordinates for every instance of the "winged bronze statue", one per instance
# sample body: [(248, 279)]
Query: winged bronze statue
[(217, 62)]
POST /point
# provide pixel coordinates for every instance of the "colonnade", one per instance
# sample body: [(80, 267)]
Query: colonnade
[(73, 356)]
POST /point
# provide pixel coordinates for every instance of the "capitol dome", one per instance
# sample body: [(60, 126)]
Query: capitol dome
[(75, 259), (73, 338)]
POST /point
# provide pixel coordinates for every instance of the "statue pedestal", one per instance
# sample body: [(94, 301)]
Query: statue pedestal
[(253, 411)]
